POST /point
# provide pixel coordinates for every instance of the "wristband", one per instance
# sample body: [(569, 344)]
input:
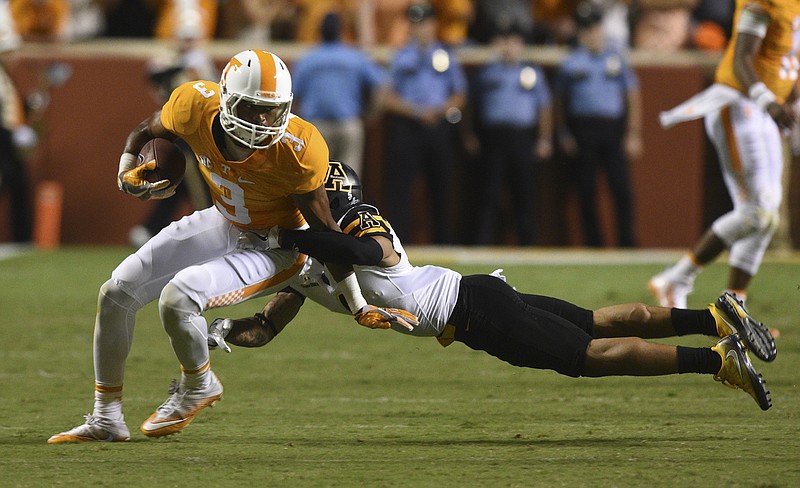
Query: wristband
[(349, 291), (127, 162), (760, 94)]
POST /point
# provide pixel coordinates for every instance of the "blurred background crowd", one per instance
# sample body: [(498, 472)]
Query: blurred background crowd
[(466, 141), (645, 24)]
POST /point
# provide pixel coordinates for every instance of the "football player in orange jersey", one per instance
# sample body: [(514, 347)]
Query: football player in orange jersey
[(264, 167), (745, 110)]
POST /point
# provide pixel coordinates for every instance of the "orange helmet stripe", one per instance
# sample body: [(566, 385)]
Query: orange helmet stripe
[(268, 71)]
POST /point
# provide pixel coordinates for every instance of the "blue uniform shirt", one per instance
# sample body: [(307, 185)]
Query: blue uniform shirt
[(595, 85), (512, 94), (426, 77), (330, 81)]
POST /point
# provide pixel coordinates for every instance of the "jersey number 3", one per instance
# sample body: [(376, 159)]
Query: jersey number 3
[(232, 205)]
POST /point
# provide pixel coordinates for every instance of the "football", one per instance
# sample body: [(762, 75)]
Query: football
[(170, 161)]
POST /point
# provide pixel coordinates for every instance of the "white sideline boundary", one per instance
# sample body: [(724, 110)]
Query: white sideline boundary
[(9, 250), (555, 256), (562, 256)]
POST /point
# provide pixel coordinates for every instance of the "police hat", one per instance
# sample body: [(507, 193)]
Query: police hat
[(587, 14), (418, 12)]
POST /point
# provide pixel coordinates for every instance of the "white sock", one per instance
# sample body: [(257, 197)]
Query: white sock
[(686, 269), (198, 378), (108, 402)]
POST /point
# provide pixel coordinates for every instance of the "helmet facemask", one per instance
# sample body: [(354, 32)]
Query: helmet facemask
[(252, 134)]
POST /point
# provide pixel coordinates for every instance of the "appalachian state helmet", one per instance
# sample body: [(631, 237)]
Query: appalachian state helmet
[(343, 187)]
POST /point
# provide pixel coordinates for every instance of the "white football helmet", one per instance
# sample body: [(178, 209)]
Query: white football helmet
[(255, 82)]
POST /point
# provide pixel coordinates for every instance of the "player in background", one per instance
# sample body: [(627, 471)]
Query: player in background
[(486, 314), (16, 136), (745, 110), (264, 167)]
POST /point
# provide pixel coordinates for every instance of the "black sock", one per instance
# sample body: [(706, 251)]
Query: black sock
[(687, 322), (698, 360)]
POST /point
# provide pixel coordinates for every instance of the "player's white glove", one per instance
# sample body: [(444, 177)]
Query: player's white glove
[(383, 318), (253, 240), (217, 332), (130, 179)]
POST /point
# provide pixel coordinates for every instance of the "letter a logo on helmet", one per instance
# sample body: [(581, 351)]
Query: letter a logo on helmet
[(255, 82), (343, 187)]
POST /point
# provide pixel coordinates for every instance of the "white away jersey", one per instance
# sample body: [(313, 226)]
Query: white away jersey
[(429, 292)]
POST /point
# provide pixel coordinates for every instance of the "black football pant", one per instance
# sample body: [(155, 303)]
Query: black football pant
[(531, 331)]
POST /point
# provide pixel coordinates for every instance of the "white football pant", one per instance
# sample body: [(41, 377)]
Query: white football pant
[(748, 143), (191, 266)]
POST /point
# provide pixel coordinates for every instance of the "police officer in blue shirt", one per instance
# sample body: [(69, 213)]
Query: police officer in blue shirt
[(332, 83), (514, 124), (598, 120), (427, 94)]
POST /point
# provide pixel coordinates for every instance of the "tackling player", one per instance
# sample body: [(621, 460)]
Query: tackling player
[(485, 313), (745, 110), (264, 167)]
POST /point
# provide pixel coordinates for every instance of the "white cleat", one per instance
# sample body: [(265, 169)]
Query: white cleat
[(95, 429), (669, 293), (181, 408)]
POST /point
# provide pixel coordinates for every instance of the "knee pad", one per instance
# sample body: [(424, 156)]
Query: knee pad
[(744, 221), (111, 293), (174, 306)]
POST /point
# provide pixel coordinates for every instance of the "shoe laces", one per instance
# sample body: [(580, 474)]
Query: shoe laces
[(91, 419), (176, 394), (97, 421)]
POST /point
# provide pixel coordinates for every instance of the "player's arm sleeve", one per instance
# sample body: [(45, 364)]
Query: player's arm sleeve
[(333, 247)]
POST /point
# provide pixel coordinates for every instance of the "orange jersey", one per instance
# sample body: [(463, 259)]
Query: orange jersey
[(171, 19), (453, 19), (42, 18), (777, 62), (254, 193)]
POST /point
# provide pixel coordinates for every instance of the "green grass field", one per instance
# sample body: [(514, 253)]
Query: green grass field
[(330, 403)]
